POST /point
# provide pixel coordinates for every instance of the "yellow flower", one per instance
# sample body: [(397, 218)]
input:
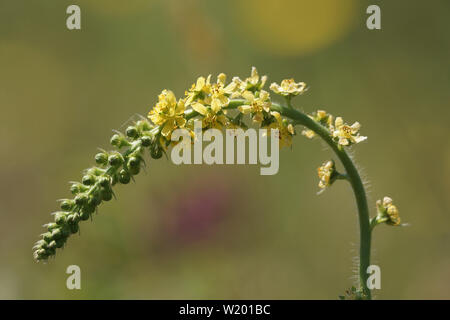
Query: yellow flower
[(285, 130), (210, 119), (220, 93), (168, 113), (387, 212), (325, 173), (256, 105), (288, 87), (253, 83), (346, 134), (200, 91)]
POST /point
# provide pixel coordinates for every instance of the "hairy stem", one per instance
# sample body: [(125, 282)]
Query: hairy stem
[(352, 176)]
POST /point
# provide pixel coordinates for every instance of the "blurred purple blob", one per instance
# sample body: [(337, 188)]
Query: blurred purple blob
[(195, 214)]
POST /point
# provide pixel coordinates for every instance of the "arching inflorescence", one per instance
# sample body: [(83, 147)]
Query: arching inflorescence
[(220, 105)]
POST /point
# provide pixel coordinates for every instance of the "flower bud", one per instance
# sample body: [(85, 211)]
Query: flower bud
[(146, 141), (81, 199), (47, 237), (67, 205), (115, 160), (134, 162), (60, 218), (88, 180), (56, 234), (74, 228), (51, 226), (104, 182), (85, 215), (132, 132), (73, 218), (65, 231), (119, 141), (106, 194), (52, 245), (101, 158), (77, 188), (156, 151), (60, 243), (95, 200), (144, 125), (124, 177)]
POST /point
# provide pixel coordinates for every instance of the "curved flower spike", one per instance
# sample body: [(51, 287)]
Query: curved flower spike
[(288, 87)]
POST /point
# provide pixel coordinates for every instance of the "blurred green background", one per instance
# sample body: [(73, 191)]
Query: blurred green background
[(199, 232)]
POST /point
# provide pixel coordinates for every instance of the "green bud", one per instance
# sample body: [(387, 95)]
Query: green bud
[(106, 194), (132, 132), (115, 140), (146, 141), (95, 171), (85, 215), (115, 160), (124, 177), (156, 151), (119, 141), (95, 200), (77, 188), (47, 236), (104, 182), (51, 226), (74, 228), (56, 234), (134, 162), (81, 199), (52, 245), (67, 205), (60, 243), (65, 231), (144, 125), (101, 158), (88, 180), (134, 170), (60, 218), (73, 218)]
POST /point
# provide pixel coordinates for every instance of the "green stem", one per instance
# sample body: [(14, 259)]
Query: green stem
[(352, 176)]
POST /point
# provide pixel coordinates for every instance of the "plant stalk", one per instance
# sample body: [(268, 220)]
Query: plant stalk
[(353, 177)]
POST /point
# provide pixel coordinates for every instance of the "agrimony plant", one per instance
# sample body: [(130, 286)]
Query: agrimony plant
[(211, 103)]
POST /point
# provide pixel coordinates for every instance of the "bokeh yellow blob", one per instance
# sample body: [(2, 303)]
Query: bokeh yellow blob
[(295, 27)]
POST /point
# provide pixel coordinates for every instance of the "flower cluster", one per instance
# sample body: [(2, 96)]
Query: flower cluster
[(210, 101), (342, 133), (327, 174), (387, 212)]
